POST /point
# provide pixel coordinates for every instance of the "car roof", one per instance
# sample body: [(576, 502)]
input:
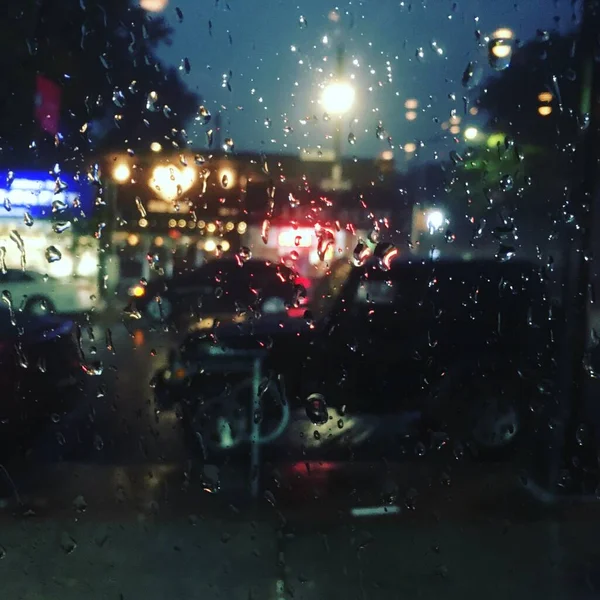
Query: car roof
[(460, 267)]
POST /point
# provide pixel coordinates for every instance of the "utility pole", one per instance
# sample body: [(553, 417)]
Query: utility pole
[(337, 169)]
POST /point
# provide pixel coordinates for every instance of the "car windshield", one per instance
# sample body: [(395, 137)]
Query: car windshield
[(298, 300)]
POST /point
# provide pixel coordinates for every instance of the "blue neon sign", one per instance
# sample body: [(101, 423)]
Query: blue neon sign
[(37, 191)]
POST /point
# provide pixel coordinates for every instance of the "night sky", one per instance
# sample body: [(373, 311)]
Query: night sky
[(277, 61)]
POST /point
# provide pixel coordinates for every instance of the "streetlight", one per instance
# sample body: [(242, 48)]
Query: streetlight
[(545, 99), (500, 48), (503, 33), (338, 97), (122, 173), (154, 5), (471, 133)]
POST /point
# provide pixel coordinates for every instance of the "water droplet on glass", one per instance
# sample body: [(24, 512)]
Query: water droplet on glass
[(53, 254), (360, 254), (449, 236), (118, 98), (245, 254), (325, 242), (67, 543), (79, 504), (265, 229), (455, 157), (152, 102), (3, 268), (93, 368), (61, 226), (140, 207), (98, 443), (316, 409), (59, 206), (7, 204), (582, 435), (472, 75), (385, 252), (505, 253), (506, 183), (351, 138), (499, 54), (15, 236)]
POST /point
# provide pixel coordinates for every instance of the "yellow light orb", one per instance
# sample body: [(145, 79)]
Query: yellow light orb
[(338, 97), (121, 173), (500, 50), (503, 33), (154, 5), (471, 133)]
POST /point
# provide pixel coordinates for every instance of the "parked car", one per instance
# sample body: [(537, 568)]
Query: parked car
[(39, 294), (222, 286), (463, 345), (40, 371)]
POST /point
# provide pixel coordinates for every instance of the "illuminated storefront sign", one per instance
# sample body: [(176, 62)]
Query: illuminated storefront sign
[(37, 193)]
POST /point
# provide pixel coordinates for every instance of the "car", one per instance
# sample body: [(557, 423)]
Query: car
[(40, 294), (40, 371), (225, 286), (464, 345)]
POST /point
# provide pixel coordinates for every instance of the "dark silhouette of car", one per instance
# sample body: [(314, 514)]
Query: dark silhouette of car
[(467, 346), (40, 372), (221, 286)]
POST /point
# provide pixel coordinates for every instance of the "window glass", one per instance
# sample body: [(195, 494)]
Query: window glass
[(298, 299)]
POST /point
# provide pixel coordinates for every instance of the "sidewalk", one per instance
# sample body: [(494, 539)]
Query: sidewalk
[(196, 557)]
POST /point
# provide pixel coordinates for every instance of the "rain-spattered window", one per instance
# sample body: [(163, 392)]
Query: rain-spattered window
[(298, 300)]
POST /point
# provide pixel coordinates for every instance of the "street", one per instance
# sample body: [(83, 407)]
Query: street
[(102, 508)]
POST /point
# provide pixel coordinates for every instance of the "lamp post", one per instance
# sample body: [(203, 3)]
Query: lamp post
[(337, 99)]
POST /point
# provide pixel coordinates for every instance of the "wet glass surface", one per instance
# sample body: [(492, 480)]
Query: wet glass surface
[(298, 301)]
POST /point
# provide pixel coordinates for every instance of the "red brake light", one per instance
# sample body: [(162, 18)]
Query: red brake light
[(305, 282)]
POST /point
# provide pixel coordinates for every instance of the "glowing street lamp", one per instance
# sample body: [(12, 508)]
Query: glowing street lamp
[(338, 97), (500, 49), (471, 133), (121, 173), (154, 5), (503, 33)]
